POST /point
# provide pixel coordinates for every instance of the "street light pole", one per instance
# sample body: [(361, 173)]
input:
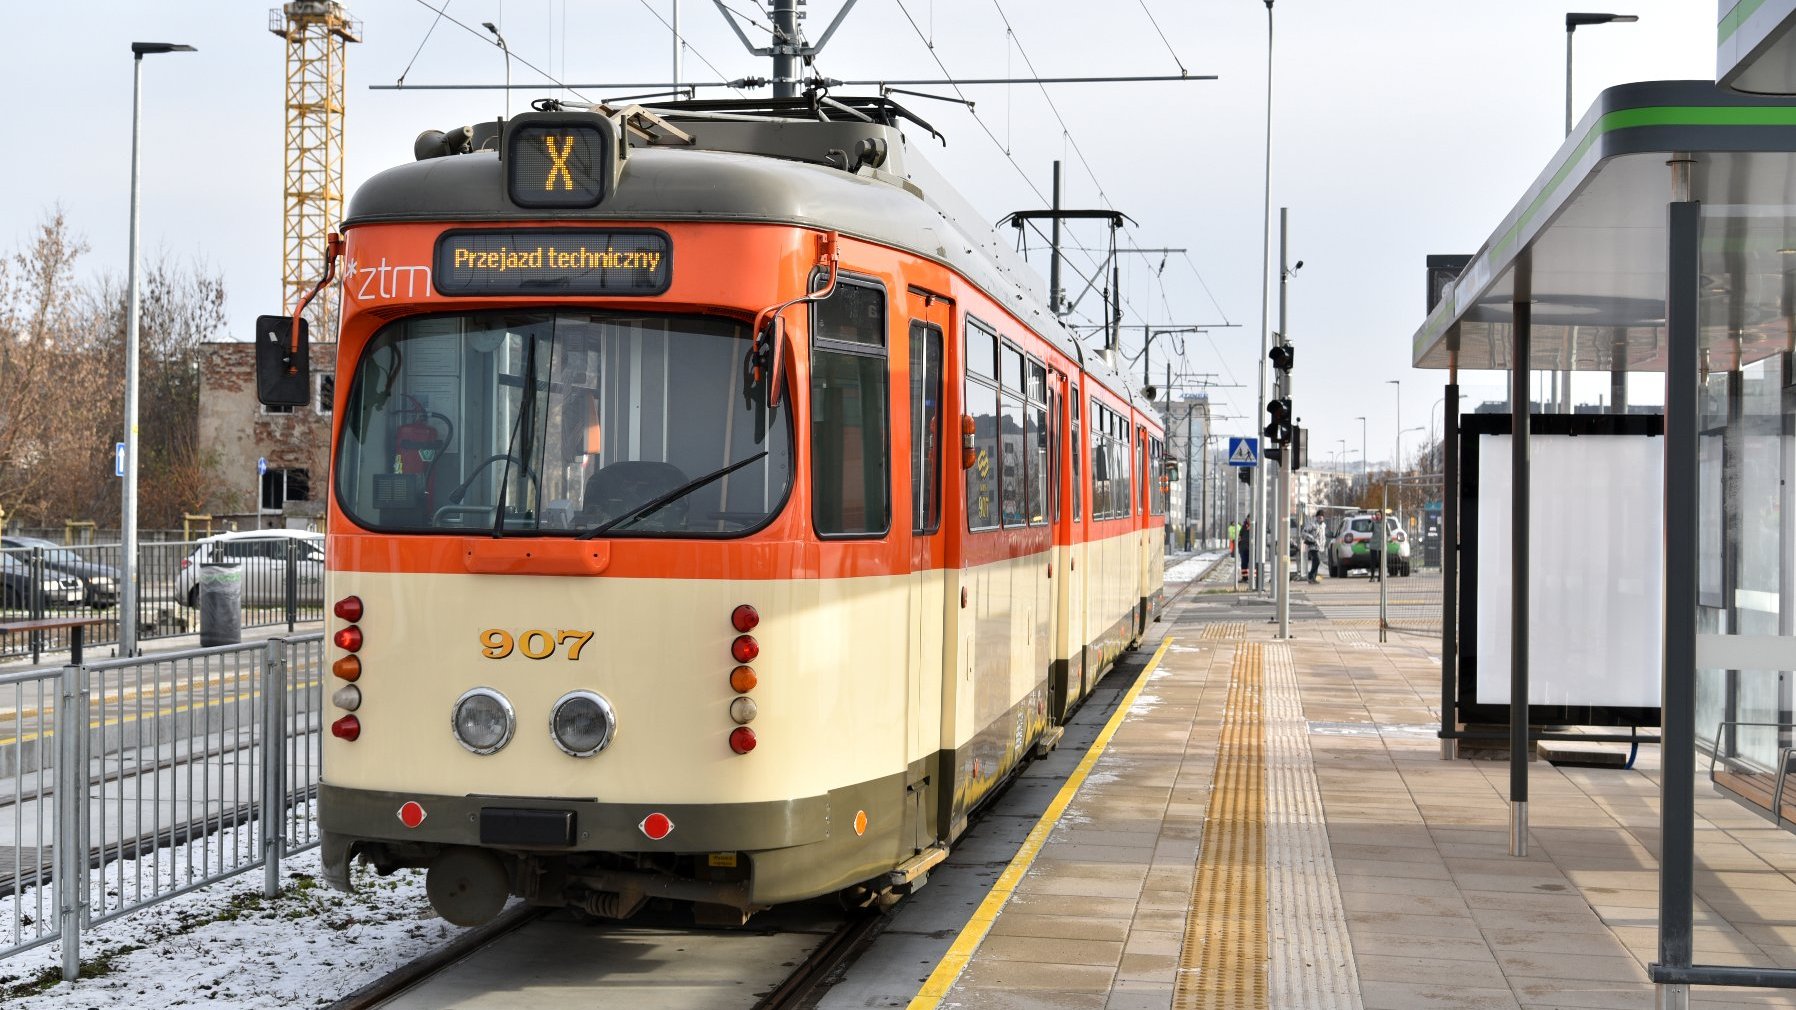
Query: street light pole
[(1572, 23), (127, 620), (1258, 508), (1397, 462), (489, 26), (1365, 465)]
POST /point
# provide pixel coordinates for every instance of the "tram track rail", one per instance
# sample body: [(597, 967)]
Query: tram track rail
[(799, 988), (407, 975)]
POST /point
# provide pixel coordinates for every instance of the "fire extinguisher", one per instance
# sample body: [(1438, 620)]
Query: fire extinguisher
[(417, 441)]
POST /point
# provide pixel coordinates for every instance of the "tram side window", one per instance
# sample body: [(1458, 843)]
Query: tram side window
[(1157, 479), (1035, 441), (1013, 447), (1125, 474), (1078, 455), (925, 427), (1100, 463), (982, 406), (850, 479)]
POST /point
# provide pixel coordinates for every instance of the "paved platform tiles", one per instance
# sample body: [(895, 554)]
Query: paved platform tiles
[(1384, 877)]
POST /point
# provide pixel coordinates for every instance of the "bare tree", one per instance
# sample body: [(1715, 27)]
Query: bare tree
[(42, 323), (62, 383)]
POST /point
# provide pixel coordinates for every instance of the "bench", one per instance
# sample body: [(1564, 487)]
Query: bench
[(74, 625), (1769, 793)]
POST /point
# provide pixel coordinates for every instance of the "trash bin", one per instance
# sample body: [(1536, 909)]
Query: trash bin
[(221, 603)]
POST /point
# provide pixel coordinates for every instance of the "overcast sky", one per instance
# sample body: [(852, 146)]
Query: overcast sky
[(1400, 128)]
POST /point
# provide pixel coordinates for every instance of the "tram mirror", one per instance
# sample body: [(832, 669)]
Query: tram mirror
[(775, 343), (283, 368)]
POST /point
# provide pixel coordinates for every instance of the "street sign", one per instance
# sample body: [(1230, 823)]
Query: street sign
[(262, 466), (118, 459), (1244, 451)]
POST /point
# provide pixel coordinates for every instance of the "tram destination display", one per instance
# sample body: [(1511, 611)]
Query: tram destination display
[(553, 261), (560, 160)]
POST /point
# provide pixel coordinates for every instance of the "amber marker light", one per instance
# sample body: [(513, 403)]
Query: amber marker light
[(743, 679), (348, 639), (745, 618), (349, 668), (744, 648), (349, 608)]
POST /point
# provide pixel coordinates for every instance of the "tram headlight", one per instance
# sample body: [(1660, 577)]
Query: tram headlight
[(582, 723), (482, 720)]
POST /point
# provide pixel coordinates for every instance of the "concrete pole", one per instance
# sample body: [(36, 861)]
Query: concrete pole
[(1054, 299), (785, 45), (128, 612)]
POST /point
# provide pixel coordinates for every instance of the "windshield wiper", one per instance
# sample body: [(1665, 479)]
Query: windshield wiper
[(658, 503)]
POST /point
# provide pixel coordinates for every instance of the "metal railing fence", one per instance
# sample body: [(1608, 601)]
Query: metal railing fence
[(281, 584), (128, 782)]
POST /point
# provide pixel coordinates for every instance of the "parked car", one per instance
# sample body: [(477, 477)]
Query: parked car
[(99, 582), (56, 588), (1351, 547), (262, 557)]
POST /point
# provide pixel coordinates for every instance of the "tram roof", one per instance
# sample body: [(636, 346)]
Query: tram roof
[(760, 162), (1587, 242)]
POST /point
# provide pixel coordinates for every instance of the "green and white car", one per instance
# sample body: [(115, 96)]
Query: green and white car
[(1350, 550)]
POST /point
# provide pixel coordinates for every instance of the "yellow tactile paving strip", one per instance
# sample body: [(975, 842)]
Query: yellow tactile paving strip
[(1223, 631), (949, 968), (1223, 963)]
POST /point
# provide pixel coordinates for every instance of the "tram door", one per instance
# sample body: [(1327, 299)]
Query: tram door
[(1069, 578), (927, 583)]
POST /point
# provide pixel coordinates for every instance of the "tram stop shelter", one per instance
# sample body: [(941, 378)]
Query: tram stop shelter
[(1660, 238)]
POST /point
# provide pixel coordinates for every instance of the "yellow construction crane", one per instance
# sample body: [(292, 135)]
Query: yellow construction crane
[(317, 33)]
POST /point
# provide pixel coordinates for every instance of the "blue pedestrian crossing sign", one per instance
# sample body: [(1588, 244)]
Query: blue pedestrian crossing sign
[(1244, 451)]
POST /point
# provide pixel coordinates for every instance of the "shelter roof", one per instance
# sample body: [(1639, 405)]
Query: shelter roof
[(1586, 244)]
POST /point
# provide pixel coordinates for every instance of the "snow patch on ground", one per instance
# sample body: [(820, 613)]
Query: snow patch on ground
[(1192, 568), (227, 946)]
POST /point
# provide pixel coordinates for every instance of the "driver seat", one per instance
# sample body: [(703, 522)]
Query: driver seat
[(628, 484)]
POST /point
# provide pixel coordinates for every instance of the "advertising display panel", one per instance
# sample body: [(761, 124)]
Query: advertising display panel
[(1595, 570)]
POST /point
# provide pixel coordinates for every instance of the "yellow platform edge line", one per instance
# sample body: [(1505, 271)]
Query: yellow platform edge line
[(948, 969)]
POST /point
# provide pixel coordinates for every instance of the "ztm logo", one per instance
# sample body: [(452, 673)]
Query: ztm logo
[(558, 162)]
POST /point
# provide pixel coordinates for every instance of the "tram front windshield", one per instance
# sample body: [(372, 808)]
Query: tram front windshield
[(560, 422)]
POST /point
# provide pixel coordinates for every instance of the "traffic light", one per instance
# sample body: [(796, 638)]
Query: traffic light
[(1283, 356), (1245, 473), (1279, 428), (1300, 448), (1274, 454)]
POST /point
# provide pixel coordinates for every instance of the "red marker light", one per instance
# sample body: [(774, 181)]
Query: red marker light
[(412, 814), (349, 608), (744, 618), (347, 728), (348, 639), (742, 739), (744, 648), (656, 826)]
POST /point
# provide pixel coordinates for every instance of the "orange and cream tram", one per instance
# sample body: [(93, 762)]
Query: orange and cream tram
[(717, 512)]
